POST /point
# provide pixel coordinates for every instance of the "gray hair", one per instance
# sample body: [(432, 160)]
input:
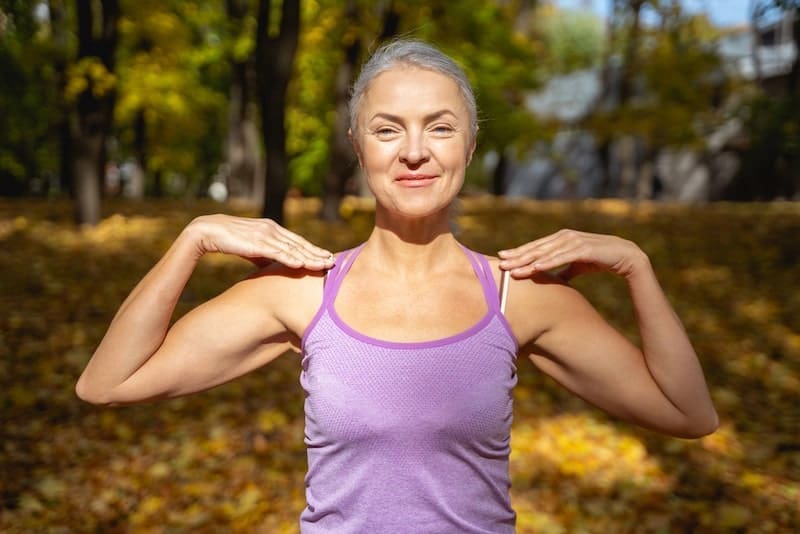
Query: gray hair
[(411, 52)]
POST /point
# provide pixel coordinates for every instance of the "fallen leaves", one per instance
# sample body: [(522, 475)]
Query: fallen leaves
[(233, 458)]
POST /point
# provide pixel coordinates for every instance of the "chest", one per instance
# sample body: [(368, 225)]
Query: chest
[(366, 390), (411, 311)]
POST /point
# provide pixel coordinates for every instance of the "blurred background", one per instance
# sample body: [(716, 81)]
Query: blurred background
[(640, 99), (672, 123)]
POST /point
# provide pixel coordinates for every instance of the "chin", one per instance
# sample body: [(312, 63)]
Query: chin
[(415, 210)]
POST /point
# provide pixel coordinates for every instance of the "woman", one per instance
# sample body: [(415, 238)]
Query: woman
[(408, 356)]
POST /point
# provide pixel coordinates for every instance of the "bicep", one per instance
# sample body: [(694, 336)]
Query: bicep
[(586, 355), (218, 341)]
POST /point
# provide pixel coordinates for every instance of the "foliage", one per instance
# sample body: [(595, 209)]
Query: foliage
[(89, 74), (773, 127), (310, 115), (27, 100), (676, 84), (502, 65), (572, 39), (172, 70), (233, 459)]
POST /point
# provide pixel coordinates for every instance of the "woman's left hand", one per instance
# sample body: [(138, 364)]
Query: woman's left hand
[(576, 252)]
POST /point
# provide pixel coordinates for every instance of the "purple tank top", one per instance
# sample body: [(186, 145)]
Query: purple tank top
[(408, 437)]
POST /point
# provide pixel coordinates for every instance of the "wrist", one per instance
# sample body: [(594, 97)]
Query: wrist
[(638, 265), (194, 238)]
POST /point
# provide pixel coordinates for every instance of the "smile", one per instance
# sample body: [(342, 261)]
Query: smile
[(415, 180)]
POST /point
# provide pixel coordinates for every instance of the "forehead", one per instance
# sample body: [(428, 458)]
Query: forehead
[(413, 90)]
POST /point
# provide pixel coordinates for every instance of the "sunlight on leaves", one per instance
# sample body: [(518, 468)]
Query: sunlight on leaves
[(233, 458)]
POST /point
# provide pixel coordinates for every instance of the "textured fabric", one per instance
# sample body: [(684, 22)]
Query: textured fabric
[(408, 437)]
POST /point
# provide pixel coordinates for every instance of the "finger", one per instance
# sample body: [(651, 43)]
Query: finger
[(545, 243), (311, 256), (552, 260), (293, 255), (558, 258), (303, 244), (529, 252)]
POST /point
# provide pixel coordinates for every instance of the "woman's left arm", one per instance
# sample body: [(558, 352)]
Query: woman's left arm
[(661, 385)]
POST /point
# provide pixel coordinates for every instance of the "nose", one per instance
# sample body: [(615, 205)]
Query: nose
[(415, 149)]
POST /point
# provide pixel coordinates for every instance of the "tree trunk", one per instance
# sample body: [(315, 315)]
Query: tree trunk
[(58, 22), (241, 143), (138, 178), (793, 82), (755, 19), (95, 112), (606, 100), (274, 59), (341, 160), (499, 182), (630, 59), (613, 149)]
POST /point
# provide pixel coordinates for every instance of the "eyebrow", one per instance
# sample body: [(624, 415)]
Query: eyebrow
[(427, 118)]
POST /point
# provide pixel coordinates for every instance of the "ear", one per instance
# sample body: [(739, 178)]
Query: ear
[(356, 148), (471, 150)]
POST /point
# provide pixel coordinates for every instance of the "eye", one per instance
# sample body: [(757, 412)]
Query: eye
[(384, 132), (443, 130)]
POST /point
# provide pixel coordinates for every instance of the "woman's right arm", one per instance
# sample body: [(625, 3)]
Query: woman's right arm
[(141, 358)]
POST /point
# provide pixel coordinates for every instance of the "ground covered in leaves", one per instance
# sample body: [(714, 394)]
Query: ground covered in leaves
[(232, 459)]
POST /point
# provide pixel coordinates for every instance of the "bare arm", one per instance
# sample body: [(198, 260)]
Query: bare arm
[(660, 386), (141, 358)]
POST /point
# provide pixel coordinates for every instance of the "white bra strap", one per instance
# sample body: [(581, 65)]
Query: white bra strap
[(504, 290)]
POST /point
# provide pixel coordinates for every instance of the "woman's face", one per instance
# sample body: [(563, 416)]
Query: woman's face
[(413, 140)]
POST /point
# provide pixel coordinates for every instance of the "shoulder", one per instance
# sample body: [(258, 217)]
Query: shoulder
[(292, 296), (276, 281), (536, 304)]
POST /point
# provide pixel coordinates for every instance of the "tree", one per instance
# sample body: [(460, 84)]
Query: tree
[(784, 8), (496, 44), (172, 79), (29, 100), (643, 110), (341, 165), (58, 24), (276, 45), (491, 40), (92, 82), (572, 39), (770, 159), (241, 145)]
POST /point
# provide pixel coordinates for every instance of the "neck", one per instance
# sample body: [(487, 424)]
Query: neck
[(410, 247)]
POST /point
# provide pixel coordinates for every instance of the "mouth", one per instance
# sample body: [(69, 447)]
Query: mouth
[(415, 179)]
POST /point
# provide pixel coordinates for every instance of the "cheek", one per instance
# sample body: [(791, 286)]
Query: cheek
[(377, 155)]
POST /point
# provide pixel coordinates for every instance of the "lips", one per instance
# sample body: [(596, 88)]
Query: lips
[(414, 179)]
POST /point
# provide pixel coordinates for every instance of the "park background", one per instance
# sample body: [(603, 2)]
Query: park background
[(120, 121)]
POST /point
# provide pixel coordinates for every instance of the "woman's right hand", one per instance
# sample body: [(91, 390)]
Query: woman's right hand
[(258, 240)]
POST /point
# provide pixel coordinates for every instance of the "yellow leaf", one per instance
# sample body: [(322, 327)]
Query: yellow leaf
[(269, 420), (148, 507), (733, 516), (159, 470)]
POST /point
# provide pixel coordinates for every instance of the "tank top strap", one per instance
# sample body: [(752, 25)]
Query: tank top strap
[(484, 273), (335, 275)]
